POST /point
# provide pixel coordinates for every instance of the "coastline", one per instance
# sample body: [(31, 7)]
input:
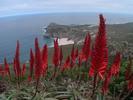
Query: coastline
[(65, 41)]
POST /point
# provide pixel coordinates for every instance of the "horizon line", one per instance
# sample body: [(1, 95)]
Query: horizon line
[(34, 13)]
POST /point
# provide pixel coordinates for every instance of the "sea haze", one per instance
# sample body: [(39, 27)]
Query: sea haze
[(26, 27)]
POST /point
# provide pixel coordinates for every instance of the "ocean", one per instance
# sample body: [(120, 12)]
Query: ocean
[(26, 27)]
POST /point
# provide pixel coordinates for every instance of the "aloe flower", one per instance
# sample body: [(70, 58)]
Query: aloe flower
[(14, 67), (7, 70), (56, 53), (23, 70), (39, 64), (99, 54), (113, 71), (99, 59), (85, 52), (107, 81), (116, 64), (32, 60), (56, 58), (66, 64), (17, 61), (38, 60), (73, 57)]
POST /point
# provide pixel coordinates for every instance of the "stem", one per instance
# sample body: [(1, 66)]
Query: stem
[(94, 85), (120, 95), (114, 93), (36, 89), (54, 75), (83, 74), (18, 82), (130, 92), (86, 63)]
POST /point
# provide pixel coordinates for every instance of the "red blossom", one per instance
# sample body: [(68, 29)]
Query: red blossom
[(23, 70), (32, 59), (114, 71), (56, 53), (45, 59), (85, 52), (116, 65), (17, 61), (66, 64), (14, 67), (73, 57), (99, 55), (7, 70), (38, 60), (107, 81)]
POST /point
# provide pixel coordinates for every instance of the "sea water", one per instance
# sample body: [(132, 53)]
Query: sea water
[(26, 27)]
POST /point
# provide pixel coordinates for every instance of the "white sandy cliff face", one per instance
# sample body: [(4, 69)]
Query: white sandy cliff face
[(65, 41)]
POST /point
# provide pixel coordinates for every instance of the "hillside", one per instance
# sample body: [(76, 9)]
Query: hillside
[(118, 34)]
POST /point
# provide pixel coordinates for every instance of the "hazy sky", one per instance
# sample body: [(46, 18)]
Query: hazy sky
[(13, 7)]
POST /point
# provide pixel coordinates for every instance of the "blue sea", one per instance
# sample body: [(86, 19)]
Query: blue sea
[(26, 27)]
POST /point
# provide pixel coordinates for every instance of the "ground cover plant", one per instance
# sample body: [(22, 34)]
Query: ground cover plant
[(83, 74)]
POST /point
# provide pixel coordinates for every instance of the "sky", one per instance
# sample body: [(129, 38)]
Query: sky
[(20, 7)]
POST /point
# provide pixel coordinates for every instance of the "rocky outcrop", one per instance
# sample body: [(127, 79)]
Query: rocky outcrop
[(73, 32)]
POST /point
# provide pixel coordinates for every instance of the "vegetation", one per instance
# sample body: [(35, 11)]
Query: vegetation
[(87, 73)]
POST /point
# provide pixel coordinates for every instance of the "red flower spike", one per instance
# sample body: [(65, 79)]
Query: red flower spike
[(73, 57), (116, 65), (99, 54), (86, 47), (38, 60), (106, 82), (45, 59), (114, 71), (14, 67), (56, 53), (17, 61), (66, 64), (32, 59), (23, 70), (7, 70), (82, 57), (85, 52)]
